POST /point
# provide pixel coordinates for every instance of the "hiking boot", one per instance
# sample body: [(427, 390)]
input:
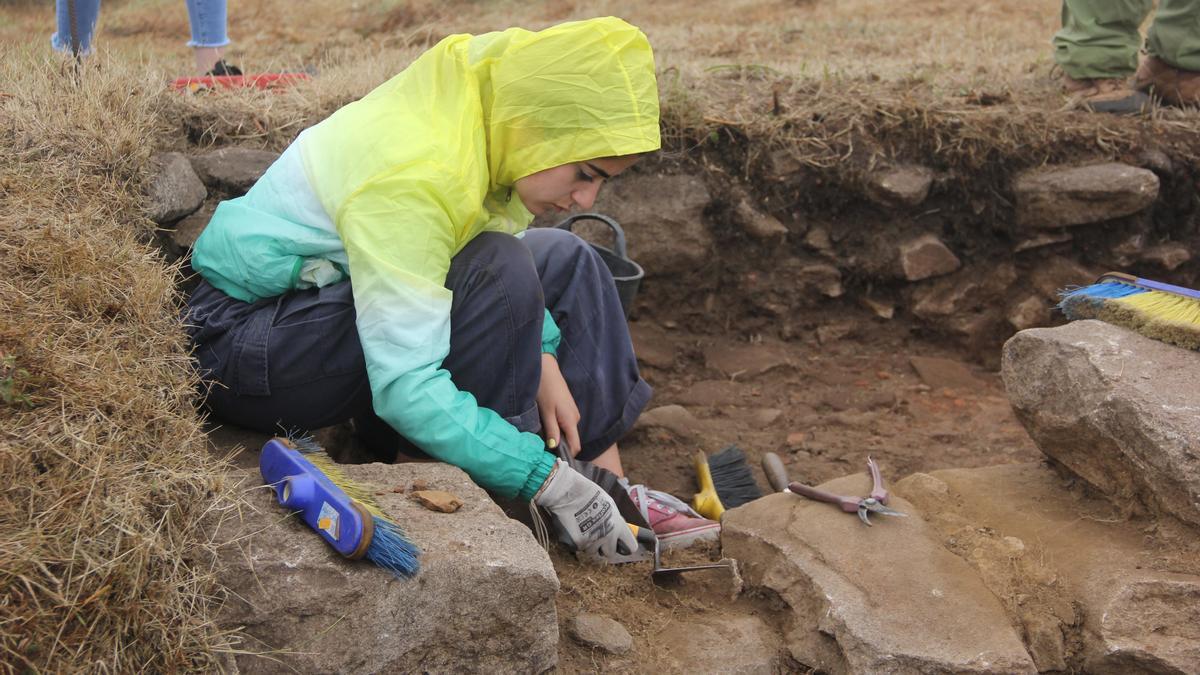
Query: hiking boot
[(674, 523), (1107, 95), (1173, 85)]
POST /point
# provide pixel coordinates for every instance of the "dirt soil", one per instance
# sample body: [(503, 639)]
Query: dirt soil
[(824, 408)]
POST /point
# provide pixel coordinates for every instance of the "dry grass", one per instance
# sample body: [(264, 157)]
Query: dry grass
[(105, 554)]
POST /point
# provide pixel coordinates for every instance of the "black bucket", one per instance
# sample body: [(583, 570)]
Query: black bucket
[(626, 273)]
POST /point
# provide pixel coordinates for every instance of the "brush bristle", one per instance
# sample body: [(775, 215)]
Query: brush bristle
[(1161, 315), (391, 549), (733, 478)]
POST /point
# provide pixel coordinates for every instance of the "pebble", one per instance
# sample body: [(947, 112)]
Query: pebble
[(601, 632)]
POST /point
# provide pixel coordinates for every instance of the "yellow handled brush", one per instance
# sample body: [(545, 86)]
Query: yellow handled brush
[(726, 482), (706, 502)]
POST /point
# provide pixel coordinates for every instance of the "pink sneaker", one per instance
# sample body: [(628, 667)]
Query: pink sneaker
[(674, 522)]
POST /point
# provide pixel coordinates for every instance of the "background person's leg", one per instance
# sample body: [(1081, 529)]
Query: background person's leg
[(1175, 34), (596, 353), (86, 14), (207, 19), (1099, 39)]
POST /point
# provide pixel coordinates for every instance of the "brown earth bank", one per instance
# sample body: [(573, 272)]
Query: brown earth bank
[(750, 338)]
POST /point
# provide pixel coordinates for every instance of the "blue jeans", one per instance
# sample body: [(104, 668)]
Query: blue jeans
[(295, 361), (206, 17)]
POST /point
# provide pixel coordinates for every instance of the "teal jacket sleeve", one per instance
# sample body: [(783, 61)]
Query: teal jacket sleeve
[(550, 335), (399, 243)]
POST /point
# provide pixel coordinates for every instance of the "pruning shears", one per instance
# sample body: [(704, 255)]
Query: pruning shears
[(876, 502)]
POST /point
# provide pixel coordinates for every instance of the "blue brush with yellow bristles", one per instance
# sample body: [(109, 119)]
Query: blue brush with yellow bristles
[(1160, 311), (307, 481)]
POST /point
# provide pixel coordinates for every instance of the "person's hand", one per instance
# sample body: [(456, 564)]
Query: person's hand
[(560, 415), (586, 513)]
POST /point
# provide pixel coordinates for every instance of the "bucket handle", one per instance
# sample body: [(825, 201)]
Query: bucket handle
[(618, 233)]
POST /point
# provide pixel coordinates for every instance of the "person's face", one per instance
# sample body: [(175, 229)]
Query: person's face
[(569, 186)]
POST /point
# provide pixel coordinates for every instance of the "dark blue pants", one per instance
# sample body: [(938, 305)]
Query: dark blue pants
[(295, 361)]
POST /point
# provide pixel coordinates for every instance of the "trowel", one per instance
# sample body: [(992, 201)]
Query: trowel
[(649, 547)]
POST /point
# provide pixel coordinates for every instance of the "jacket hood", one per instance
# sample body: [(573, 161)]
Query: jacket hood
[(569, 93)]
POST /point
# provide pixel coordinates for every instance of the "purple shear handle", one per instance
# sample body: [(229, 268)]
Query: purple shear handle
[(864, 506)]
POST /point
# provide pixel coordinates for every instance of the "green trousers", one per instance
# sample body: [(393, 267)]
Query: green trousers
[(1100, 39)]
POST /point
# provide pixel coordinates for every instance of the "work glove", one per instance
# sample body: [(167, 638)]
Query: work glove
[(585, 513)]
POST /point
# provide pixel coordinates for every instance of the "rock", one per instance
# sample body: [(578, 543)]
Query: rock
[(964, 293), (1062, 196), (900, 186), (759, 225), (601, 632), (1151, 625), (738, 645), (674, 418), (945, 373), (782, 165), (818, 239), (747, 361), (1045, 641), (890, 599), (483, 601), (943, 300), (1115, 408), (1055, 273), (1030, 312), (883, 309), (663, 219), (1042, 239), (174, 191), (652, 346), (1129, 249), (808, 277), (1091, 591), (188, 230), (982, 332), (437, 500), (1167, 256), (233, 169), (925, 256), (762, 418), (832, 332), (1157, 161)]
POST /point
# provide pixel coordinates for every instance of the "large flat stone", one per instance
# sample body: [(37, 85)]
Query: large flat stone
[(1116, 408), (884, 599), (233, 169), (1062, 196), (1090, 592), (483, 601)]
